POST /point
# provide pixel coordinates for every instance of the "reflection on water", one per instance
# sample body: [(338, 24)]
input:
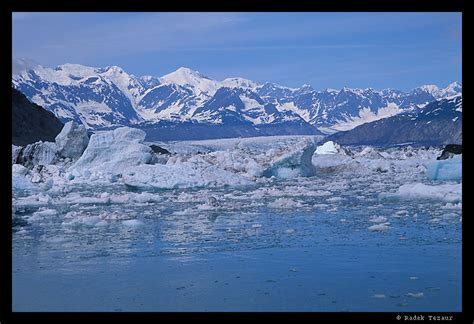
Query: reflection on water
[(328, 214)]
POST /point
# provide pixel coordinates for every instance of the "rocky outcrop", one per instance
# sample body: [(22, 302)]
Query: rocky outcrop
[(31, 123), (449, 151), (159, 150), (438, 123)]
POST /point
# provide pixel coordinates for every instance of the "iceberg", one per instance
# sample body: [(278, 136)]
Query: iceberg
[(15, 152), (450, 169), (111, 152), (19, 180), (39, 153), (295, 163), (72, 140), (370, 153), (328, 148), (331, 157)]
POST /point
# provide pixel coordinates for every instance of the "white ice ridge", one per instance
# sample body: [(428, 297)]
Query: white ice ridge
[(184, 175)]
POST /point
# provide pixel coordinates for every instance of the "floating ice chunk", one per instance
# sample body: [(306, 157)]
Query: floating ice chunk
[(450, 169), (19, 180), (445, 192), (76, 198), (284, 203), (335, 199), (416, 295), (402, 212), (75, 219), (72, 140), (266, 192), (19, 169), (333, 163), (45, 212), (378, 219), (370, 153), (106, 215), (450, 206), (132, 222), (112, 151), (161, 176), (39, 153), (332, 157), (237, 162), (329, 148), (295, 163), (15, 152), (35, 200), (380, 227)]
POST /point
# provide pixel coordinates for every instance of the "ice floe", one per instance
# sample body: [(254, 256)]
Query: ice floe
[(444, 192)]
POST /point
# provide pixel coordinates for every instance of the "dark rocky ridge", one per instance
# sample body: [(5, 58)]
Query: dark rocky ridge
[(438, 123), (31, 123)]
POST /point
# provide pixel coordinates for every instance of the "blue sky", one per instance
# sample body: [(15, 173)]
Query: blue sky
[(325, 50)]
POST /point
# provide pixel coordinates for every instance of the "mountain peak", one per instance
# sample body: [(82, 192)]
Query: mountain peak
[(430, 88), (184, 76), (23, 64), (239, 83), (454, 85)]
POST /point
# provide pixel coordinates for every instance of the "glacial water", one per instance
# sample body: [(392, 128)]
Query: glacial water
[(303, 244)]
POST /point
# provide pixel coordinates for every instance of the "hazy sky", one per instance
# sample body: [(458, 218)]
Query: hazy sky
[(325, 50)]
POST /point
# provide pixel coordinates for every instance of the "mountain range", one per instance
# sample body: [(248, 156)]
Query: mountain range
[(439, 122), (186, 104)]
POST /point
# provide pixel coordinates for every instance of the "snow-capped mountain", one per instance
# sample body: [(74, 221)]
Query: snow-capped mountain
[(339, 110), (109, 97), (439, 122), (23, 64)]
